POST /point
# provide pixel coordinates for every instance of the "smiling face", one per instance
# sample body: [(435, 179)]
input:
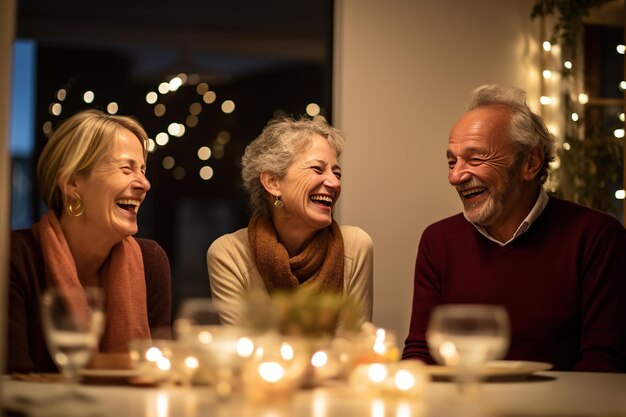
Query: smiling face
[(309, 190), (482, 168), (112, 192)]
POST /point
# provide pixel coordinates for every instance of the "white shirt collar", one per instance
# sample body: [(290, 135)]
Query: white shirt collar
[(540, 204)]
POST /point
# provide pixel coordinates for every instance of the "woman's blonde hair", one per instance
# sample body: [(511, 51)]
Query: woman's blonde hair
[(75, 147), (274, 150)]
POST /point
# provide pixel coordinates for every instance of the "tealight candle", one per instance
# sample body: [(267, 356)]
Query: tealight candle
[(275, 369), (221, 352), (148, 359), (183, 360), (406, 378), (326, 365)]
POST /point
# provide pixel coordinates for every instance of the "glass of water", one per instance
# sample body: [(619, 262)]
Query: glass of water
[(466, 337), (73, 322)]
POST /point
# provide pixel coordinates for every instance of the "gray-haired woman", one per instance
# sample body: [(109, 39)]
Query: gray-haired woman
[(293, 179)]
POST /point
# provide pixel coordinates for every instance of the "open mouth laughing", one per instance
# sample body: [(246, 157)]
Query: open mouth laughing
[(128, 205), (323, 200), (472, 192)]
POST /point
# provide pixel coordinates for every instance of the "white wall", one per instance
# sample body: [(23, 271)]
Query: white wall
[(403, 69), (7, 33)]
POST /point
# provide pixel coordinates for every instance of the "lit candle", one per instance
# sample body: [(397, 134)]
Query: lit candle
[(406, 378), (274, 370)]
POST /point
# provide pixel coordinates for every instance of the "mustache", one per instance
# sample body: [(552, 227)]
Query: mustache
[(474, 183)]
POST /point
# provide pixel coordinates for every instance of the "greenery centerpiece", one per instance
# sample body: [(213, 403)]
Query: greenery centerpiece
[(305, 311)]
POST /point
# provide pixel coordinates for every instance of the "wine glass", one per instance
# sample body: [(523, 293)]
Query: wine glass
[(465, 337), (73, 321)]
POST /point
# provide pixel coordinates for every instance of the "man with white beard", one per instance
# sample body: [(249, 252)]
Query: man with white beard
[(557, 267)]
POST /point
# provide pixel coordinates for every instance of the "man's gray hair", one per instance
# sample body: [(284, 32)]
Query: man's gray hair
[(526, 129)]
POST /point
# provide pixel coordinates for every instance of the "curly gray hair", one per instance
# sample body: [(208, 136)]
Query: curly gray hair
[(274, 150), (526, 129)]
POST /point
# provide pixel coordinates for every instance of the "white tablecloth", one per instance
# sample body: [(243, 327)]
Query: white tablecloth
[(544, 394)]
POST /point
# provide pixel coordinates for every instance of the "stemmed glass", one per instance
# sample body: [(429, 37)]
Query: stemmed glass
[(466, 337), (73, 321)]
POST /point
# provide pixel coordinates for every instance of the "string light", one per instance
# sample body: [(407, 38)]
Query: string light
[(89, 97), (547, 46), (223, 137), (228, 106), (176, 129), (112, 108), (192, 121), (159, 110), (175, 83), (209, 97), (162, 139), (202, 88), (195, 108), (204, 153), (312, 109), (168, 162), (151, 97), (55, 109), (47, 127), (545, 100), (164, 88)]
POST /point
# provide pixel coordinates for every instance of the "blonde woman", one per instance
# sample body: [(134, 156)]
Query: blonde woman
[(92, 178)]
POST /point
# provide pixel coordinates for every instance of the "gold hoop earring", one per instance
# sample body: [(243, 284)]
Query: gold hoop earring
[(278, 203), (75, 207)]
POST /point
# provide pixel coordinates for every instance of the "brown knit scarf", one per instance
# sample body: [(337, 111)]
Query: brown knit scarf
[(320, 263), (122, 277)]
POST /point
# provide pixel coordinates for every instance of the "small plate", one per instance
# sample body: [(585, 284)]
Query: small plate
[(495, 369), (108, 373)]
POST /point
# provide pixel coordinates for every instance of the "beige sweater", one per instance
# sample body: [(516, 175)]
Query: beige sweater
[(233, 271)]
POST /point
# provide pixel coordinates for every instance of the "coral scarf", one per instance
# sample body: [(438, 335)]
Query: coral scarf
[(320, 263), (122, 277)]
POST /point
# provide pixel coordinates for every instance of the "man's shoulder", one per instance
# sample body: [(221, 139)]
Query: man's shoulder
[(451, 229), (452, 222)]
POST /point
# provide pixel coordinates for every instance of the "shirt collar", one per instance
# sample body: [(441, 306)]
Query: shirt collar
[(540, 205)]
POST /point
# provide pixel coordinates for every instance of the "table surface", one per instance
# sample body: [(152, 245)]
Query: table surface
[(544, 394)]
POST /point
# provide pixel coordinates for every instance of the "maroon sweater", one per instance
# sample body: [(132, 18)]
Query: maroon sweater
[(563, 283), (27, 350)]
